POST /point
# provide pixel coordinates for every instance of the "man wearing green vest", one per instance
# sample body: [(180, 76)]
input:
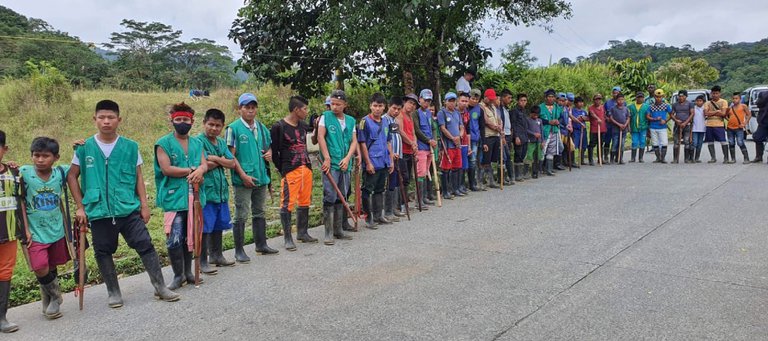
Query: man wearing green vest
[(111, 199), (249, 141), (338, 144), (216, 217), (550, 118), (180, 162)]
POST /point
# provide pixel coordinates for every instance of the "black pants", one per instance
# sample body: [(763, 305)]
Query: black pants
[(374, 183), (520, 152), (134, 231), (406, 168)]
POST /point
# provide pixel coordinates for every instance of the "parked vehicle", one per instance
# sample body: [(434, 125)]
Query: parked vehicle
[(692, 94), (749, 97)]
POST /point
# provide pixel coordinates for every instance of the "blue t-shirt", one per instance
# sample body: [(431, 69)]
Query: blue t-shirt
[(578, 113), (474, 123), (659, 111), (425, 125), (451, 120), (375, 135), (564, 119)]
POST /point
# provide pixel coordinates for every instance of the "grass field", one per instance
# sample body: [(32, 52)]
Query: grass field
[(145, 119)]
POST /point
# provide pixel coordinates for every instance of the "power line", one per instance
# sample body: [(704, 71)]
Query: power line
[(48, 40)]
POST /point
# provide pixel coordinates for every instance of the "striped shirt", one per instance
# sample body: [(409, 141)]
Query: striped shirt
[(397, 141)]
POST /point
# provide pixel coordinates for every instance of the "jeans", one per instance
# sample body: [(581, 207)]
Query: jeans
[(178, 236), (698, 139), (736, 136), (615, 143), (685, 134)]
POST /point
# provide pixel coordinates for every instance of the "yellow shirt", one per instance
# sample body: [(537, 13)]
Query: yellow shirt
[(715, 121)]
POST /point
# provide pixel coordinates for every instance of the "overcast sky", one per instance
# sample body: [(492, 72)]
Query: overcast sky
[(593, 24)]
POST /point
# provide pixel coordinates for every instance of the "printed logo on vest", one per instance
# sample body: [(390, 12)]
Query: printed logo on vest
[(174, 157), (332, 129), (89, 161), (243, 138)]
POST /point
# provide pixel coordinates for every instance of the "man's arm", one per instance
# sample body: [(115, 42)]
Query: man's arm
[(165, 165), (321, 131), (419, 134), (77, 193), (141, 192)]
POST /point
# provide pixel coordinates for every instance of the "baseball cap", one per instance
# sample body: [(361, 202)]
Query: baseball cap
[(570, 96), (658, 92), (247, 98), (475, 93), (490, 94), (411, 97), (328, 100), (640, 94), (426, 94), (561, 95), (449, 96), (339, 94), (616, 88), (597, 96)]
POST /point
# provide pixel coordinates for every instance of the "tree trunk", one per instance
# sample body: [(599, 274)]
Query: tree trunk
[(339, 81), (408, 82)]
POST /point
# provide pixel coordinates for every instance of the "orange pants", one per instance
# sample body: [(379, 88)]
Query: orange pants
[(7, 260), (296, 189)]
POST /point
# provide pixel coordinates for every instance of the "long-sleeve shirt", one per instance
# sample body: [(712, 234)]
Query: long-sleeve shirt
[(520, 124), (534, 127)]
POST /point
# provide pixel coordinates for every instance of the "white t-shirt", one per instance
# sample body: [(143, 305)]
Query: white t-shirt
[(508, 123), (699, 122), (106, 148), (342, 122), (462, 85)]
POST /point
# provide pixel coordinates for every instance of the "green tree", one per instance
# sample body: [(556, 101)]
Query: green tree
[(516, 58), (687, 72), (632, 75), (142, 48)]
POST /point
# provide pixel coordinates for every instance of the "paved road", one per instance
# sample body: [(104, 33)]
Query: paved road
[(614, 253)]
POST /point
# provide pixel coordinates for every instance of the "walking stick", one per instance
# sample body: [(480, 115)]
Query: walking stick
[(570, 152), (80, 290), (197, 228), (21, 201), (435, 179), (403, 193), (358, 193), (621, 145), (418, 189), (599, 146)]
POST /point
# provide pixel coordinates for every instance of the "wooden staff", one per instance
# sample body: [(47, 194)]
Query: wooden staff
[(341, 196), (436, 180), (501, 163), (80, 290), (403, 192), (197, 229), (621, 145), (599, 146), (570, 150)]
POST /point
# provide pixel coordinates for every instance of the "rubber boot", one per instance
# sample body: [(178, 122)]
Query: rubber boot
[(725, 153), (204, 265), (397, 212), (238, 232), (640, 153), (448, 187), (425, 192), (189, 274), (558, 163), (107, 269), (745, 153), (657, 152), (5, 295), (583, 161), (526, 171), (732, 149), (634, 156), (152, 265), (591, 154), (45, 299), (302, 226), (328, 221), (366, 203), (345, 225), (430, 188), (285, 221), (338, 232), (573, 162), (378, 209), (759, 150), (459, 183), (686, 155), (490, 178), (711, 148), (697, 156), (481, 179), (389, 210), (472, 179), (260, 236), (52, 311), (550, 165), (676, 154), (535, 168), (216, 247), (606, 151), (519, 172), (663, 154), (176, 256)]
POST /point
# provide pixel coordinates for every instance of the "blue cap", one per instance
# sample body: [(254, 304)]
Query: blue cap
[(328, 100), (616, 88), (247, 98), (426, 94), (561, 95), (570, 96), (449, 96)]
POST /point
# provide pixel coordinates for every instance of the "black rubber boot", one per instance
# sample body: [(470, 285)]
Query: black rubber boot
[(152, 265), (216, 247), (490, 178), (238, 232), (345, 225), (204, 265), (745, 154), (582, 160), (285, 220), (328, 220), (663, 154), (176, 256), (732, 150), (519, 172), (657, 152), (460, 182), (535, 168), (338, 233), (759, 150), (606, 151), (370, 223), (260, 237), (458, 187), (591, 154), (558, 162), (391, 206), (430, 188), (697, 156), (107, 269), (550, 165), (189, 273), (724, 147), (634, 156), (711, 148), (676, 154), (378, 209), (5, 295), (472, 179), (573, 162), (53, 290), (424, 200), (640, 153), (302, 226), (686, 155), (526, 171), (447, 185)]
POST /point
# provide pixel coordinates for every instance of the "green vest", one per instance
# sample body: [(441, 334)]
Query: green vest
[(215, 185), (43, 199), (173, 193), (109, 184), (248, 150), (336, 139), (546, 116), (9, 192), (638, 123)]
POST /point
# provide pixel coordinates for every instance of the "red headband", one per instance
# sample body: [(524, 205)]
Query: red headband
[(181, 113)]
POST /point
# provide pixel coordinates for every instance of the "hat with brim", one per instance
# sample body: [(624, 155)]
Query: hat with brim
[(597, 96)]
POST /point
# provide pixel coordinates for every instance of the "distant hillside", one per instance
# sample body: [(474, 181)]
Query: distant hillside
[(741, 65)]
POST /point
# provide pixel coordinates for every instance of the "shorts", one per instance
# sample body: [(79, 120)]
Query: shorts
[(715, 134), (492, 155), (423, 159), (216, 217), (7, 260), (450, 159), (296, 189), (43, 256)]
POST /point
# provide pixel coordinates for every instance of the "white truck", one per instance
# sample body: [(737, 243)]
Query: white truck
[(749, 97)]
